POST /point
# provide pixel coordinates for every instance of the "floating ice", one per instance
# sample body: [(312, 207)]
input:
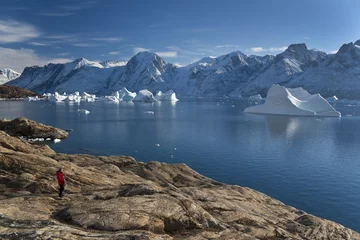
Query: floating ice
[(56, 97), (83, 111), (167, 96), (56, 140), (144, 96), (294, 101), (332, 99), (149, 112), (29, 99), (255, 98), (158, 145)]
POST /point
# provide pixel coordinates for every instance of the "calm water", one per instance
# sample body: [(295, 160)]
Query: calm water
[(311, 164)]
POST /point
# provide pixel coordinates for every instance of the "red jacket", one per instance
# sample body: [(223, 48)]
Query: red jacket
[(60, 178)]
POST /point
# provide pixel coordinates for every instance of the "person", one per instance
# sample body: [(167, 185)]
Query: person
[(61, 181)]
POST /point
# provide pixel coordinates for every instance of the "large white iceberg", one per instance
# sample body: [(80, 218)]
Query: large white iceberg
[(167, 96), (294, 101), (124, 95), (144, 96)]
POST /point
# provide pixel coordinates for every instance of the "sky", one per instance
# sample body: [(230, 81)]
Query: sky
[(37, 32)]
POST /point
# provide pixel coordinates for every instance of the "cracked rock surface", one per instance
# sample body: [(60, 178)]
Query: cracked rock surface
[(115, 197)]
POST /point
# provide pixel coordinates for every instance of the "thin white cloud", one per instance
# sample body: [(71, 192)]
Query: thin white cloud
[(114, 53), (227, 46), (53, 14), (38, 44), (307, 38), (13, 31), (333, 52), (280, 49), (140, 49), (272, 49), (18, 59), (63, 54), (83, 45), (76, 6), (183, 51), (257, 49), (170, 54), (108, 39), (61, 37)]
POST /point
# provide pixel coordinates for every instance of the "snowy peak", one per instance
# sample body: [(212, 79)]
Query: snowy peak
[(7, 74), (348, 55), (82, 62), (297, 48)]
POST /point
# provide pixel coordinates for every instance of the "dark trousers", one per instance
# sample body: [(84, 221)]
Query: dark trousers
[(61, 190)]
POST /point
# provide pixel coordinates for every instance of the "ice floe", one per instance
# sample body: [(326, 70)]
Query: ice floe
[(144, 96), (167, 96), (294, 101)]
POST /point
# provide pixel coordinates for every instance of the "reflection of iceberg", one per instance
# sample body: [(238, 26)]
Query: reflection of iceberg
[(83, 111), (144, 96), (287, 126), (294, 101)]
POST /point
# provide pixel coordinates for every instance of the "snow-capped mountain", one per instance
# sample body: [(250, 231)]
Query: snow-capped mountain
[(7, 74), (144, 70), (218, 76), (293, 61), (233, 74), (338, 75)]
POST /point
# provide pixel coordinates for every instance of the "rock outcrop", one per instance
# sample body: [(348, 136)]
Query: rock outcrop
[(23, 127), (115, 197), (13, 92)]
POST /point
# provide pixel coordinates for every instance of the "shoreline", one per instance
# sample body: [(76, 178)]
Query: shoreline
[(118, 197)]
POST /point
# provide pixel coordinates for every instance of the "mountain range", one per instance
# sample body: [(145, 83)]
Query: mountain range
[(234, 74)]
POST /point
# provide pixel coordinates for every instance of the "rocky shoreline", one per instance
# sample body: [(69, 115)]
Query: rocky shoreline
[(115, 197)]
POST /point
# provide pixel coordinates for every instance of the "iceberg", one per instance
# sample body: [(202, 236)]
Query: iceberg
[(144, 96), (124, 95), (57, 97), (167, 96), (255, 98), (332, 99), (294, 101), (29, 99)]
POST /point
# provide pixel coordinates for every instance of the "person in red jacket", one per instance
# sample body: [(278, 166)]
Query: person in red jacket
[(61, 181)]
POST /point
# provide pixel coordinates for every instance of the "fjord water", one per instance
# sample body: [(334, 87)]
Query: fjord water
[(310, 163)]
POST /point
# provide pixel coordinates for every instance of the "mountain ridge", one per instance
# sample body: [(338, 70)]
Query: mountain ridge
[(232, 74)]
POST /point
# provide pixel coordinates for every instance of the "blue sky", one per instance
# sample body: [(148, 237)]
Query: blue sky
[(42, 31)]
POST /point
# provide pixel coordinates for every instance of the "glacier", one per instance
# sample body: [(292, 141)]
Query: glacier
[(294, 101)]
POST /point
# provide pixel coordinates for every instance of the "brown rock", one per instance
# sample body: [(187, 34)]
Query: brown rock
[(118, 198), (31, 129)]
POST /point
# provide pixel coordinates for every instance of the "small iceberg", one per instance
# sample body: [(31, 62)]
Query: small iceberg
[(56, 140), (167, 96), (255, 98), (149, 112), (83, 111), (144, 96), (29, 99), (294, 101)]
